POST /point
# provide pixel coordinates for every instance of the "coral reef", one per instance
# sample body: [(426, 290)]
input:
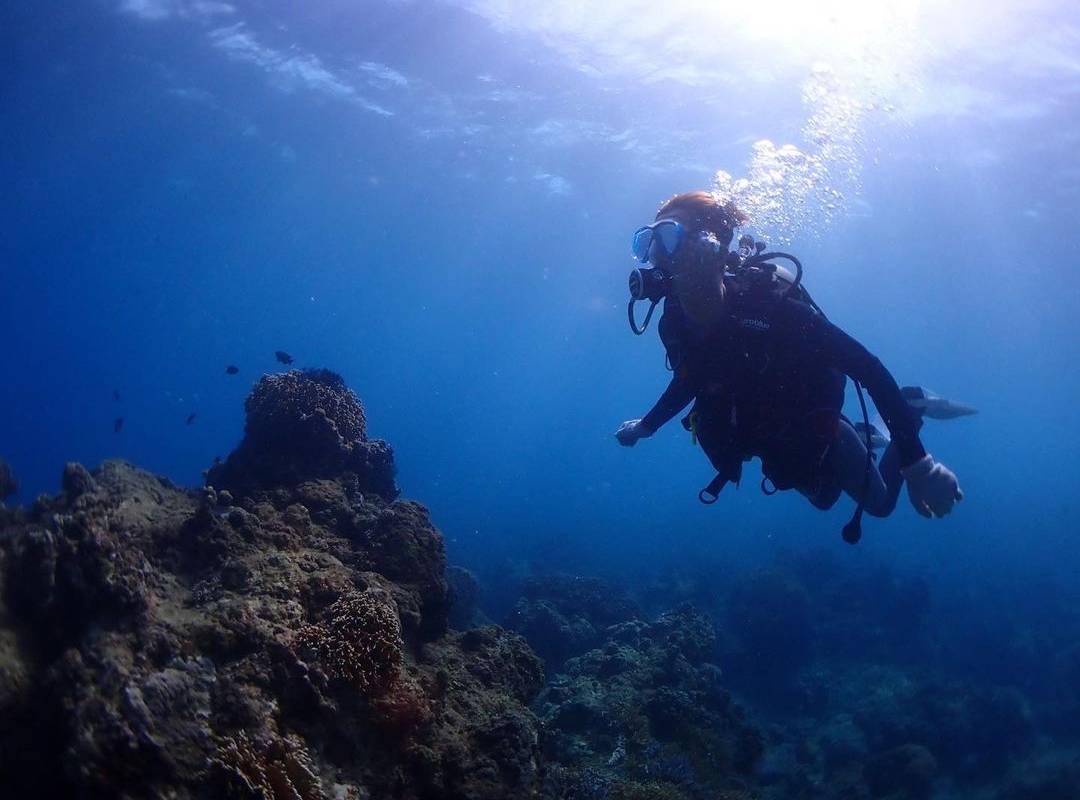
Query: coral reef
[(277, 769), (8, 484), (563, 615), (304, 425), (292, 632), (259, 638), (464, 598), (867, 710), (645, 715), (360, 641)]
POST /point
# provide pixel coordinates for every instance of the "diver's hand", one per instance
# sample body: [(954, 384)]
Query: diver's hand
[(630, 431), (932, 487)]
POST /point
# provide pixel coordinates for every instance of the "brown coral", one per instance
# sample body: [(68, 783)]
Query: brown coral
[(278, 769), (288, 401), (303, 425), (359, 642)]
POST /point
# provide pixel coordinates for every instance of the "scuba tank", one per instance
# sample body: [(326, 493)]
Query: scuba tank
[(749, 270)]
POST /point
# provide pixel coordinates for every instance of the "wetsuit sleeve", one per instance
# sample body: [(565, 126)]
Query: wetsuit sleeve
[(851, 358), (680, 391), (675, 398)]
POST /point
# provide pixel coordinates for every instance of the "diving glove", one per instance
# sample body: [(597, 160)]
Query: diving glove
[(630, 431), (932, 487)]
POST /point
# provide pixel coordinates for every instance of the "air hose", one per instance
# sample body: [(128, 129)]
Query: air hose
[(853, 530)]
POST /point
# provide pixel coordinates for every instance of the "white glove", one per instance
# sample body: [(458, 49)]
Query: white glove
[(630, 431), (932, 487)]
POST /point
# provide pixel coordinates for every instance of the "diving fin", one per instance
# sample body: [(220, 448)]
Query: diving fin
[(935, 406)]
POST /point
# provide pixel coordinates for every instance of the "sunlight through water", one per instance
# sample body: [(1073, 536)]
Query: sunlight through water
[(851, 58)]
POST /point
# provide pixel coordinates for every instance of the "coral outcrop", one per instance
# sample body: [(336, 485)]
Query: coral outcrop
[(305, 425), (564, 615), (279, 634), (8, 484), (645, 715)]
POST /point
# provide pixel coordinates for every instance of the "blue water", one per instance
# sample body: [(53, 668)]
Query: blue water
[(436, 199)]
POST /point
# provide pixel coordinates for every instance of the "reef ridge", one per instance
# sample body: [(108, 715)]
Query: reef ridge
[(281, 633)]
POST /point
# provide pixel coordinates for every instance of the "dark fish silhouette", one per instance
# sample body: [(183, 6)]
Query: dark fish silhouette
[(116, 394), (231, 370), (283, 357), (190, 418), (118, 425)]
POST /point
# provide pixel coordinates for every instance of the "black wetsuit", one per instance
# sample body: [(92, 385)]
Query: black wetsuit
[(769, 382)]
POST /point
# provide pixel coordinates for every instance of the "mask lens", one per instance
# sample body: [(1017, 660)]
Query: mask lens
[(670, 233), (642, 243)]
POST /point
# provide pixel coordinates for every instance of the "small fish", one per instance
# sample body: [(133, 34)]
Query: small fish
[(231, 369), (118, 425), (116, 395), (283, 357), (190, 418)]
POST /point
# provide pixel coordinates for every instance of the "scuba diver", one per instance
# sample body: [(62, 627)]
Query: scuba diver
[(766, 372)]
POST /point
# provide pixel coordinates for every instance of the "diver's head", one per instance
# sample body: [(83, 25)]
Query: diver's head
[(691, 217), (684, 245)]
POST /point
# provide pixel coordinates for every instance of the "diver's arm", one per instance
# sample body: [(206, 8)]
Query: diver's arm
[(675, 398), (680, 390), (846, 354)]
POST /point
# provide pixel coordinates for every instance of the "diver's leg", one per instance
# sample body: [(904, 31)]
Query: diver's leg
[(847, 457), (889, 467), (822, 497)]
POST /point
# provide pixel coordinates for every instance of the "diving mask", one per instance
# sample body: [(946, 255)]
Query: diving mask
[(666, 234)]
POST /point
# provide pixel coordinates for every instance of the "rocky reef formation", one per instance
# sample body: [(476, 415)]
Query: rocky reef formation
[(867, 704), (305, 425), (280, 634), (8, 484), (292, 632), (646, 715), (565, 615)]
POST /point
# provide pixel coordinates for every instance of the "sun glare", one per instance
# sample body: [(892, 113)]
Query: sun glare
[(848, 28)]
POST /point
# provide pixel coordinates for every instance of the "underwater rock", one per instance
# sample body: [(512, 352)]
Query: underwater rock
[(8, 484), (273, 640), (304, 425), (906, 771), (593, 599), (464, 596), (1051, 776), (566, 615), (650, 694), (76, 481)]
